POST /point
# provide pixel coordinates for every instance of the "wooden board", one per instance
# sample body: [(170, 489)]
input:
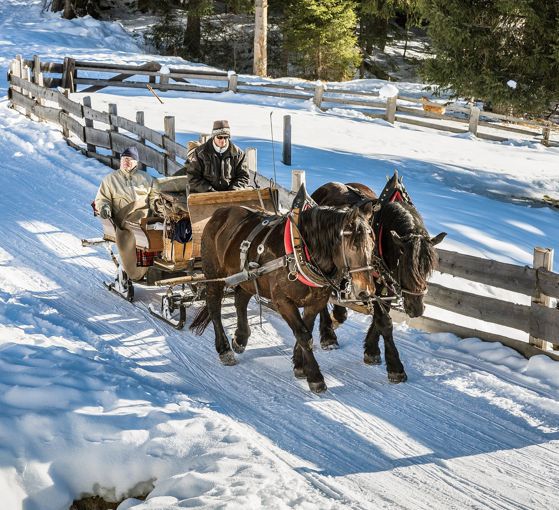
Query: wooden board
[(431, 325), (176, 148), (203, 205), (143, 85), (548, 283), (72, 125), (90, 113), (142, 131), (544, 323), (97, 137), (520, 279), (479, 307), (148, 156), (70, 106)]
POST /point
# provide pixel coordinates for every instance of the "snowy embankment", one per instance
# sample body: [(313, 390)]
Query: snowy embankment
[(97, 397)]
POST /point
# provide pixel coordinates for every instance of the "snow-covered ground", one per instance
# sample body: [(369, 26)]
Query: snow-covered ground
[(97, 397)]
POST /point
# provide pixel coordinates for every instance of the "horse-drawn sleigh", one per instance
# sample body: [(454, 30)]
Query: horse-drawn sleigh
[(302, 258)]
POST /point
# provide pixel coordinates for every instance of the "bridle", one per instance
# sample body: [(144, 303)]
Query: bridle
[(348, 271)]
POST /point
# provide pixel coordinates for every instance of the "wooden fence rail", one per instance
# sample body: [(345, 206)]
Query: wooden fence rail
[(161, 151), (77, 73)]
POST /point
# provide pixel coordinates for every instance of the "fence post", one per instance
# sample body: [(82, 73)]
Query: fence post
[(113, 129), (391, 104), (546, 133), (318, 93), (233, 79), (169, 123), (68, 74), (252, 159), (297, 178), (88, 124), (286, 140), (20, 72), (36, 68), (140, 120), (65, 131), (543, 259), (474, 120)]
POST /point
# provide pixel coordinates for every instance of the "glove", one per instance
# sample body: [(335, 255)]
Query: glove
[(105, 212)]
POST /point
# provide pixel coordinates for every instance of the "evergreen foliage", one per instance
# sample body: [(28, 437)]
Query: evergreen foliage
[(320, 38), (481, 45)]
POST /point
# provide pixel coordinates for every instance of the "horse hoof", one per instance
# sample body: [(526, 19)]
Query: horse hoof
[(237, 347), (335, 323), (299, 373), (397, 377), (318, 387), (228, 359), (372, 359), (330, 346)]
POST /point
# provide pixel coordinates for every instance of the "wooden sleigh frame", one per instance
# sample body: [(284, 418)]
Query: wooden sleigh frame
[(185, 257)]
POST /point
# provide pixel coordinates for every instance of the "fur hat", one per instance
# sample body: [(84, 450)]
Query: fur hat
[(131, 152), (221, 127)]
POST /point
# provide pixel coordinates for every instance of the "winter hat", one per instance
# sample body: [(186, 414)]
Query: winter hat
[(131, 152), (221, 127)]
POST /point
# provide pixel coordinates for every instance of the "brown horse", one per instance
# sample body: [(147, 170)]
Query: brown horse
[(340, 244), (408, 257)]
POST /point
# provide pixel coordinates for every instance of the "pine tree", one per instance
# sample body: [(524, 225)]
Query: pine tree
[(505, 52), (320, 38)]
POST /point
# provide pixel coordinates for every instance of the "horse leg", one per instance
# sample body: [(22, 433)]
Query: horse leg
[(214, 295), (304, 362), (394, 367), (371, 355), (339, 315), (242, 333), (328, 338)]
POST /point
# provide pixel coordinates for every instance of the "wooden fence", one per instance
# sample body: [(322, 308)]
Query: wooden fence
[(82, 76), (80, 125)]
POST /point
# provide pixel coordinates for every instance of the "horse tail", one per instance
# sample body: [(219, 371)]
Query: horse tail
[(201, 321)]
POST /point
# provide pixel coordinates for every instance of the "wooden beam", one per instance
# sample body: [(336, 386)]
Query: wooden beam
[(520, 279), (142, 85), (150, 66), (479, 307)]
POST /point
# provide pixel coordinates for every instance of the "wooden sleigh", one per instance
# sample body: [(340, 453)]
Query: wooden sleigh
[(177, 262)]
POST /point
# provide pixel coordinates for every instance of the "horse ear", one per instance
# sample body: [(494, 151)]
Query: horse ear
[(396, 239), (436, 240)]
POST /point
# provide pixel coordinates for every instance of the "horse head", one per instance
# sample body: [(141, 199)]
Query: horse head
[(416, 260), (355, 254)]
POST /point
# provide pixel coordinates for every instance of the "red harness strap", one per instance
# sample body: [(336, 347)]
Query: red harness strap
[(288, 243)]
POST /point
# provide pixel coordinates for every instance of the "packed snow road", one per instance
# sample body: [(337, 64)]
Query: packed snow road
[(98, 397), (475, 425)]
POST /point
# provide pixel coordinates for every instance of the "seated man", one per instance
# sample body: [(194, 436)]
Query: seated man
[(218, 164), (124, 195)]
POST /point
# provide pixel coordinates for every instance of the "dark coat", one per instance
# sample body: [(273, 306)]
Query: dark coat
[(206, 170)]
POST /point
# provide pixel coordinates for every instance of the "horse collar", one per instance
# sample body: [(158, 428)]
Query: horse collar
[(296, 248)]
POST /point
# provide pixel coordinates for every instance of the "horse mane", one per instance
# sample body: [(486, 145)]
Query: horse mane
[(322, 229), (420, 257)]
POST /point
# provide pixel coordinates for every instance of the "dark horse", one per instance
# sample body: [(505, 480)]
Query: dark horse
[(407, 257), (340, 243)]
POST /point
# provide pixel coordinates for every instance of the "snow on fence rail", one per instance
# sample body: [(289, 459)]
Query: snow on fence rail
[(28, 93), (404, 109)]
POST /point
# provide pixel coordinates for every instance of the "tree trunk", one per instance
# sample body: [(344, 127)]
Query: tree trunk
[(69, 12), (260, 63), (192, 35), (57, 5)]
